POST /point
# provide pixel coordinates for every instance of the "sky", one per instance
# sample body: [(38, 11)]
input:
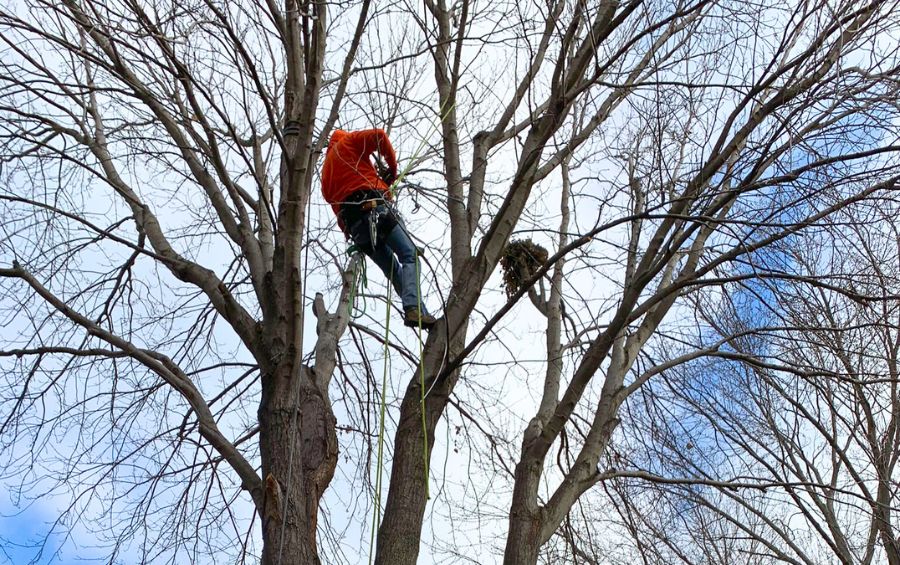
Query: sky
[(25, 540)]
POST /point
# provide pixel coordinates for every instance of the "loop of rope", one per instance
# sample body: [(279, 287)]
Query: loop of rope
[(359, 276)]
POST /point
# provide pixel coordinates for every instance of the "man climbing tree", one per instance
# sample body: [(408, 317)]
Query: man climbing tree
[(361, 198)]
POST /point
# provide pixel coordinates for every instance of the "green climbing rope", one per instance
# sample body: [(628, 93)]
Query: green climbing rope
[(443, 114), (376, 521), (422, 378)]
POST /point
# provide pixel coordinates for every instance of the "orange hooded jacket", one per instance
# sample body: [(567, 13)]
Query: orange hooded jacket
[(348, 166)]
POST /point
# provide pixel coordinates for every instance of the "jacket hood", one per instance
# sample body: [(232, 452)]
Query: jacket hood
[(336, 137)]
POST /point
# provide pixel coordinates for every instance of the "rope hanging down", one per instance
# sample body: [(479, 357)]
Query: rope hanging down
[(379, 466), (422, 378), (376, 522)]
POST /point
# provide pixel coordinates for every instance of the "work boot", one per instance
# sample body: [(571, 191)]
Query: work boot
[(412, 318)]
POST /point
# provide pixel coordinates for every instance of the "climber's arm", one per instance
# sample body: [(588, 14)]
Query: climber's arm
[(376, 140)]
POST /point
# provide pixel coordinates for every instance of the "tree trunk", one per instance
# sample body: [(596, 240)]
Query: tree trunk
[(401, 530), (295, 418), (882, 511), (523, 542)]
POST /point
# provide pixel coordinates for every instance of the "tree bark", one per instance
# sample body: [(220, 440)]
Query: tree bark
[(882, 516), (523, 542), (296, 422), (401, 530)]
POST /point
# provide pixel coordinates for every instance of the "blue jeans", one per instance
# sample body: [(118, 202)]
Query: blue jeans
[(396, 256)]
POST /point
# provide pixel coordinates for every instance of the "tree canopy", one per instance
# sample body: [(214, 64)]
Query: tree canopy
[(696, 363)]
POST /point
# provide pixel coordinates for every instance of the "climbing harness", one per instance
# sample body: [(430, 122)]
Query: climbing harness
[(379, 216), (371, 215)]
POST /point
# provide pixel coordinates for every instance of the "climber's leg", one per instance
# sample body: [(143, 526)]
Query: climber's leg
[(397, 240)]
